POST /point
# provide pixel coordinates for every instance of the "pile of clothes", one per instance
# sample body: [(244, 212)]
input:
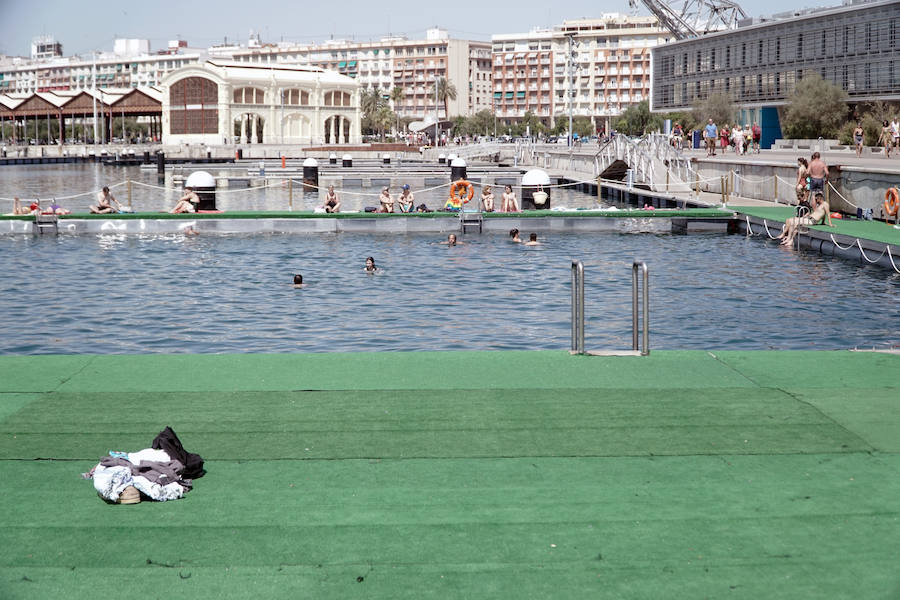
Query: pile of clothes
[(165, 471)]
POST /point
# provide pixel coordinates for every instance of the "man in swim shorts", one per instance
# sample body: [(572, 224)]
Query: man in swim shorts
[(818, 174), (105, 200)]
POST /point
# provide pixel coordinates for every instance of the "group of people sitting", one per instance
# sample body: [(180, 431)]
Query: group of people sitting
[(35, 208), (405, 202)]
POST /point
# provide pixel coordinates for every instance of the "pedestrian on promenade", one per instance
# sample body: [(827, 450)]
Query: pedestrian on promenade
[(710, 134), (757, 136), (895, 134), (737, 136), (858, 136), (886, 139)]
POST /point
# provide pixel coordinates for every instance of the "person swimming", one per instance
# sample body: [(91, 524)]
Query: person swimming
[(370, 265), (451, 240), (298, 280), (514, 236), (532, 240)]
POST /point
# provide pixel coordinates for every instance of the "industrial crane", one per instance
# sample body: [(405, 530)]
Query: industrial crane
[(693, 18)]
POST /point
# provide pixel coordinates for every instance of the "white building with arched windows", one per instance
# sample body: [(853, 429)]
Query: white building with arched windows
[(215, 102)]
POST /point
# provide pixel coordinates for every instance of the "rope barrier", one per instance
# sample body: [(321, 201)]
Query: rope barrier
[(863, 253), (841, 195), (834, 241), (771, 237)]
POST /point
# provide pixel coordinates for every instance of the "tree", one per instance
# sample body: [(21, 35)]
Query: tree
[(397, 94), (817, 108), (718, 106), (638, 120), (531, 123), (446, 92)]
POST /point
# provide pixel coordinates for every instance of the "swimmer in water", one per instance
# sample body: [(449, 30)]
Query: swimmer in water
[(298, 280), (451, 240), (370, 265), (514, 236), (532, 240)]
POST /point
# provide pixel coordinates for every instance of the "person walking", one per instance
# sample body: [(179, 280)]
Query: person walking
[(858, 136), (710, 134)]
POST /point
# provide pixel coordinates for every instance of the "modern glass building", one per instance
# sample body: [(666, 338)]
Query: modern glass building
[(856, 46)]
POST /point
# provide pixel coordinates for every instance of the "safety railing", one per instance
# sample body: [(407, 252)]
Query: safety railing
[(640, 266), (577, 307), (640, 310)]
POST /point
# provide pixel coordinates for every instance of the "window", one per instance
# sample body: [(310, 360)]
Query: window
[(193, 106), (337, 98), (249, 95), (296, 97)]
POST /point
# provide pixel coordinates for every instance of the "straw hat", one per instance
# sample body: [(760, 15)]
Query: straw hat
[(130, 495)]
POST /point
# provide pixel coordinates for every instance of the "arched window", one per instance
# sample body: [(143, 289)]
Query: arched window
[(296, 97), (249, 95), (194, 106), (337, 99)]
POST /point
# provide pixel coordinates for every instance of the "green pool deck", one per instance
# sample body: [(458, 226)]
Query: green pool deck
[(684, 474), (876, 231), (308, 214)]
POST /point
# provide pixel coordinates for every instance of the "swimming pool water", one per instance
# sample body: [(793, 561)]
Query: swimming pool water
[(233, 293)]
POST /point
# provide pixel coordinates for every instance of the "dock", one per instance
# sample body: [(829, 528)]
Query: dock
[(460, 475)]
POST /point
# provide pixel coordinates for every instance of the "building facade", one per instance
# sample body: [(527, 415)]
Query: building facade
[(856, 47), (397, 62), (218, 102), (610, 57)]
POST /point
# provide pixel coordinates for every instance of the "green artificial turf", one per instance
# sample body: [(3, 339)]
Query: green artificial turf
[(460, 475), (876, 231)]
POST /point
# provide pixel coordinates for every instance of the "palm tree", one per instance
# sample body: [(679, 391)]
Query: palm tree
[(446, 92), (370, 101), (397, 94)]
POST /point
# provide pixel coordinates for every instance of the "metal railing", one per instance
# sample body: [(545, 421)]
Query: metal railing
[(639, 343), (577, 307), (642, 266)]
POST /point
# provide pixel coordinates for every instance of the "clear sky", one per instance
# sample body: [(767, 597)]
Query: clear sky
[(85, 25)]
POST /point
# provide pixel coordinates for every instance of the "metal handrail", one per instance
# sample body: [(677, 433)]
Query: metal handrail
[(634, 308), (577, 307)]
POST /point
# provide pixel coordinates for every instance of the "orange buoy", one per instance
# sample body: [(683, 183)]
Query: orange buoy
[(463, 190), (891, 202)]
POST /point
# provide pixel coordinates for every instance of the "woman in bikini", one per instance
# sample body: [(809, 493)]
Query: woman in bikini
[(332, 202), (858, 135), (487, 199), (802, 183), (509, 200)]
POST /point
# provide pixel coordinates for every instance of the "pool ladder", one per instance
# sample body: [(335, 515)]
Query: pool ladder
[(469, 218), (578, 312), (42, 222)]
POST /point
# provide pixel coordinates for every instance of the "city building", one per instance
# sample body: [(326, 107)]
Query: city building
[(216, 102), (609, 58), (130, 65), (758, 65), (397, 62)]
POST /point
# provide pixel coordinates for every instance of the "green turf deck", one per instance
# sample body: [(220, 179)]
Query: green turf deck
[(460, 475), (876, 231), (668, 213)]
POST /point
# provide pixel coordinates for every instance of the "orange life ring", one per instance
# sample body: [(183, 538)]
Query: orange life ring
[(461, 189), (891, 201)]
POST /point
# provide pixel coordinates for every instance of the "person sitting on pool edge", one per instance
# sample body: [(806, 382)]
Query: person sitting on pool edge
[(298, 280), (514, 235), (820, 215), (532, 240), (332, 202), (406, 200), (387, 201), (186, 203), (105, 200), (370, 265), (487, 199)]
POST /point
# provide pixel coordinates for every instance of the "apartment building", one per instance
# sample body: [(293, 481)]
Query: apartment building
[(607, 59), (121, 69), (397, 62)]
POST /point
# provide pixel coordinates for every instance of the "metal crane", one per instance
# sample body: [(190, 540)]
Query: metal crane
[(693, 18)]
